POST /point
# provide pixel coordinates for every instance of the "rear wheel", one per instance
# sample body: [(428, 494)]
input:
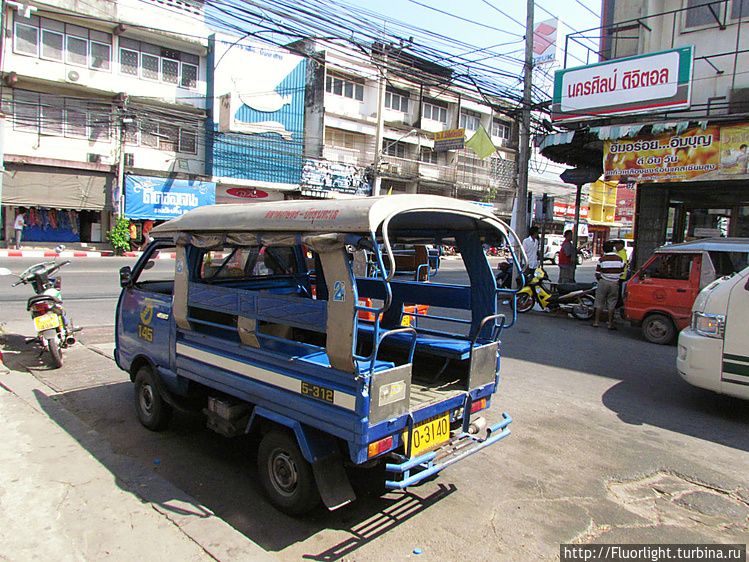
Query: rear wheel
[(153, 412), (584, 308), (286, 475), (658, 328), (55, 352), (524, 302)]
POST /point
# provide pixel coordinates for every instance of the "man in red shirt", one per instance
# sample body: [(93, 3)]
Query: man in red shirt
[(565, 261)]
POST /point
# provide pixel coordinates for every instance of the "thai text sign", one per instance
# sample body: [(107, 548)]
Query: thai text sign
[(638, 84), (693, 154), (164, 198), (454, 139)]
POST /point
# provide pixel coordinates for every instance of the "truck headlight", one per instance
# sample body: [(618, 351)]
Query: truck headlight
[(710, 325)]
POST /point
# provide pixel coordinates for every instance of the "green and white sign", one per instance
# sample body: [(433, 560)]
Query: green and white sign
[(640, 84)]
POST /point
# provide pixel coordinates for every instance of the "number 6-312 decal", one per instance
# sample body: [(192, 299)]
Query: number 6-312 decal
[(339, 291)]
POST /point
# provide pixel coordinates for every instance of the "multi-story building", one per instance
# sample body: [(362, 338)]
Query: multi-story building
[(377, 117), (666, 111), (90, 93)]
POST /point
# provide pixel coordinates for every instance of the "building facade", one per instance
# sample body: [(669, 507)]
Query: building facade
[(91, 95), (674, 128)]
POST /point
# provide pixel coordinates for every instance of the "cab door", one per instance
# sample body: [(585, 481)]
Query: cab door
[(666, 283), (145, 325), (734, 378)]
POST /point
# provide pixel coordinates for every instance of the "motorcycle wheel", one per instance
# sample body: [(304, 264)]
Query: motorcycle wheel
[(55, 352), (524, 302), (584, 308)]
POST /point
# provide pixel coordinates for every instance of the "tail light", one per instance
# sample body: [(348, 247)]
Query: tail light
[(478, 405), (57, 282), (380, 446), (40, 307)]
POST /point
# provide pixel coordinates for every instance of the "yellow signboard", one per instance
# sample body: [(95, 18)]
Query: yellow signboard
[(453, 139)]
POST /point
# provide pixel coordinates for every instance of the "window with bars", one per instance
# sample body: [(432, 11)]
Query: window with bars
[(54, 40), (397, 149), (163, 136), (469, 120), (501, 129), (434, 112), (158, 64), (347, 86), (399, 101), (429, 156), (56, 116)]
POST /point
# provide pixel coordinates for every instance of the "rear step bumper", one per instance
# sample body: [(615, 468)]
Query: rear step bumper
[(457, 448)]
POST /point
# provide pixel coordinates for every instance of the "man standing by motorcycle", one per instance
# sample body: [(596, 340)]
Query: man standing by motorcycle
[(530, 246), (610, 267), (567, 254)]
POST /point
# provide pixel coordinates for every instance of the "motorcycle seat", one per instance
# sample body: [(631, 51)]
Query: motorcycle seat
[(564, 288), (40, 298)]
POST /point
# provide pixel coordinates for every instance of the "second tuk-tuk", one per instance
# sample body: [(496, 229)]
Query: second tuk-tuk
[(283, 319)]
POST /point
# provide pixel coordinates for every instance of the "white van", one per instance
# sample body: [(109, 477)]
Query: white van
[(713, 349)]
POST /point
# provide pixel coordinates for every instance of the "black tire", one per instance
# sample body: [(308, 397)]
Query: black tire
[(55, 352), (584, 308), (524, 302), (555, 259), (153, 412), (658, 328), (286, 475)]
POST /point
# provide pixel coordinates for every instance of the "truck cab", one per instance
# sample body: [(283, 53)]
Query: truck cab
[(284, 319)]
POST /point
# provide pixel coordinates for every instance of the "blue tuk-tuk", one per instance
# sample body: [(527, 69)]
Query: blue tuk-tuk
[(282, 318)]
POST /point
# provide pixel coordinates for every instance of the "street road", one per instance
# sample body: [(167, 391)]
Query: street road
[(608, 444)]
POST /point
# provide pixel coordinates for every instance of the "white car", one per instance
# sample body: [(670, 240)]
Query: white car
[(552, 246)]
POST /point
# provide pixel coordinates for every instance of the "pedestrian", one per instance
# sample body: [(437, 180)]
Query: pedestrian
[(567, 255), (530, 246), (622, 253), (608, 271), (18, 226)]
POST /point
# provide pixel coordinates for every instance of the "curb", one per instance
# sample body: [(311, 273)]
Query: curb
[(73, 254)]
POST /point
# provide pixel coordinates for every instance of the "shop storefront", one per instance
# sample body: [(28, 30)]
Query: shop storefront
[(62, 205)]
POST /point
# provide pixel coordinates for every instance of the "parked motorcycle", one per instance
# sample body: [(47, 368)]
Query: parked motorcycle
[(577, 298), (54, 330)]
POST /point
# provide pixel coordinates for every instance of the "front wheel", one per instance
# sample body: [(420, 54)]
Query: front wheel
[(524, 302), (658, 328), (584, 308), (153, 411), (286, 475), (55, 352)]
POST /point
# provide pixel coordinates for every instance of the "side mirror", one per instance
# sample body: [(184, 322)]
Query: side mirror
[(125, 276), (149, 265)]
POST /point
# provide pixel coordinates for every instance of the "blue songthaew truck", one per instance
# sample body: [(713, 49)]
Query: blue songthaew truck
[(285, 319)]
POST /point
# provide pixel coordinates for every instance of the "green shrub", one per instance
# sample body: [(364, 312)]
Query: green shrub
[(119, 236)]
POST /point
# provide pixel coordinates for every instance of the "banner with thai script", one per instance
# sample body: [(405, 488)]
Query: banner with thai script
[(164, 198), (630, 85), (691, 155)]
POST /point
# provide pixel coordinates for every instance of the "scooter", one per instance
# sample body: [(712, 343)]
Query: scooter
[(577, 298), (54, 330)]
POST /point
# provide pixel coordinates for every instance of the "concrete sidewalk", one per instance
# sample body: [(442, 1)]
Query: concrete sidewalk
[(65, 495)]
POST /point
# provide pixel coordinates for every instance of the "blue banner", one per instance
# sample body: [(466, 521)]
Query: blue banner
[(164, 198)]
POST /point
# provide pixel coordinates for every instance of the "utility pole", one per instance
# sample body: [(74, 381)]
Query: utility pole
[(521, 222)]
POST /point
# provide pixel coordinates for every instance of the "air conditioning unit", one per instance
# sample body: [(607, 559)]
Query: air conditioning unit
[(129, 159), (93, 158)]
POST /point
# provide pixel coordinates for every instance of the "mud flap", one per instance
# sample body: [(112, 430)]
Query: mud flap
[(332, 482)]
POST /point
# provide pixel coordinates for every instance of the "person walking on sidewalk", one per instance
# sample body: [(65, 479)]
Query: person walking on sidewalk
[(18, 226), (530, 246), (610, 267), (567, 254)]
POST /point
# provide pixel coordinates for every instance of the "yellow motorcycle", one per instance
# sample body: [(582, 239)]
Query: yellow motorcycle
[(577, 298)]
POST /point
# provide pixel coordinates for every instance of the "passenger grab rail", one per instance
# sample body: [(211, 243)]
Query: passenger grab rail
[(495, 332)]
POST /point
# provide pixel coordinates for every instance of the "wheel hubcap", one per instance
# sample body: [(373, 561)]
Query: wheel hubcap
[(283, 473), (657, 330), (146, 399)]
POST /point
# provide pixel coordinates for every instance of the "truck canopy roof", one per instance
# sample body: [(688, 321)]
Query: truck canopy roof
[(357, 215), (708, 245)]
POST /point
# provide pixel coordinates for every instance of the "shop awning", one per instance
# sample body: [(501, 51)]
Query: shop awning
[(56, 189)]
